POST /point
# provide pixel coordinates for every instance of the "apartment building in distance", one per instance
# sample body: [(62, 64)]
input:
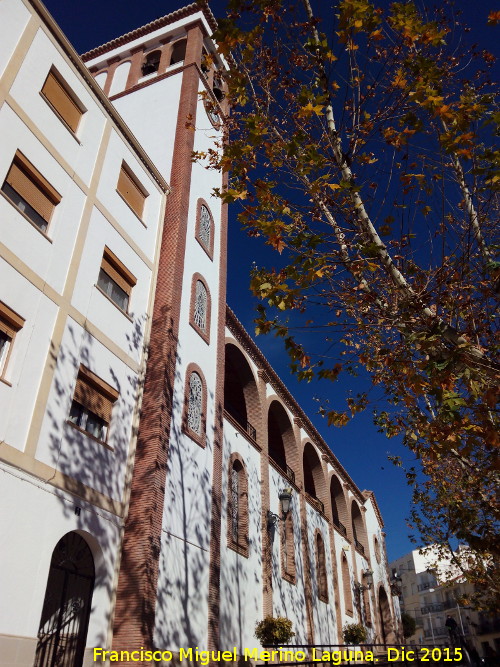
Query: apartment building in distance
[(147, 448), (430, 596)]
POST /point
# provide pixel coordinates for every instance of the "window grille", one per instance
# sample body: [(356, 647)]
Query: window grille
[(205, 226), (234, 503), (195, 403), (200, 306)]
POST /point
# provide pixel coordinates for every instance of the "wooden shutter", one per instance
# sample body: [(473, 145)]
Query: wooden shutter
[(131, 191), (10, 322), (32, 186), (117, 271), (95, 394), (62, 101)]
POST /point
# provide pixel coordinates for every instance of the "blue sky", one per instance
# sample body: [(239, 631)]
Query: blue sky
[(358, 446)]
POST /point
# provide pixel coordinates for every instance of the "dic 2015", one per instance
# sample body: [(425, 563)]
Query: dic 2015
[(424, 654)]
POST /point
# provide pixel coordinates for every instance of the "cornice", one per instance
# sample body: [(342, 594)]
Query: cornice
[(184, 12)]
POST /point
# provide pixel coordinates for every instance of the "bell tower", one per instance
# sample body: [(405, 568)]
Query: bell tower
[(162, 78)]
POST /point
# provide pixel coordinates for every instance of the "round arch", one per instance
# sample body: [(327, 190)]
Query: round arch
[(241, 396), (358, 528), (314, 477), (64, 621), (340, 512), (282, 447)]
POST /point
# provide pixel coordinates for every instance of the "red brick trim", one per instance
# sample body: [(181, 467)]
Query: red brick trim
[(287, 541), (242, 542), (199, 438), (215, 527), (112, 65), (346, 585), (205, 334), (321, 571), (210, 250), (134, 74), (358, 521), (137, 583)]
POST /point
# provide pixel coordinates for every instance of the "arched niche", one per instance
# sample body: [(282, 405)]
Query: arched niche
[(340, 512), (358, 529), (280, 438), (314, 480), (241, 397)]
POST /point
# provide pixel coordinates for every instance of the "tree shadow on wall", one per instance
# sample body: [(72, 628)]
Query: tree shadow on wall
[(94, 473)]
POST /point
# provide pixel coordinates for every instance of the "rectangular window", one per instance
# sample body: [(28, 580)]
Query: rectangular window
[(10, 324), (62, 100), (92, 404), (131, 190), (30, 192), (115, 280)]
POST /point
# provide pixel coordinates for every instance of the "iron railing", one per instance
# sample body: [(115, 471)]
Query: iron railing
[(240, 420), (359, 546), (340, 527)]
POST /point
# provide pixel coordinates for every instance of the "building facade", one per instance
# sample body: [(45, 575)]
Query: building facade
[(430, 597), (145, 441)]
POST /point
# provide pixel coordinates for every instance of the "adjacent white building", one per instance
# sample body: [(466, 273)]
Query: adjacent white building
[(144, 439)]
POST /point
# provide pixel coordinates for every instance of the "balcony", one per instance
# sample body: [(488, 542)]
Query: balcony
[(359, 546), (440, 631), (315, 502), (340, 527), (426, 585), (431, 608), (243, 423)]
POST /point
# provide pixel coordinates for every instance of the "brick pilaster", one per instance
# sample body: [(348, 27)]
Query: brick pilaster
[(137, 584)]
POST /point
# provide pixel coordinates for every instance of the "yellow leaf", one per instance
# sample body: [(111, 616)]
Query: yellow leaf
[(358, 23), (282, 305), (334, 186)]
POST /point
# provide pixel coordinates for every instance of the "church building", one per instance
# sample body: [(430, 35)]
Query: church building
[(161, 487)]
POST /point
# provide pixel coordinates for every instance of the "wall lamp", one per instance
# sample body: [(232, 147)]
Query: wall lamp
[(285, 498), (367, 575)]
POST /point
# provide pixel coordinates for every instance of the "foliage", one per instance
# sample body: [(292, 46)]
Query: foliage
[(362, 148), (274, 631), (409, 625), (354, 633)]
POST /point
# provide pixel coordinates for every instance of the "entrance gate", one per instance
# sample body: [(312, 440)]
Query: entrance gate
[(66, 609)]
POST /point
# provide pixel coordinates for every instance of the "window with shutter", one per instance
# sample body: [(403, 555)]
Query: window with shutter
[(115, 280), (195, 404), (238, 506), (131, 191), (30, 192), (62, 100), (92, 404), (10, 324)]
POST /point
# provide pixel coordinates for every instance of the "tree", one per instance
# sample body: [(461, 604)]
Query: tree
[(361, 147), (409, 625)]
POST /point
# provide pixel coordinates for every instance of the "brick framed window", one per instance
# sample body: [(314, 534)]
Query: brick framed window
[(92, 404), (131, 190), (10, 324), (288, 571), (321, 574), (205, 228), (237, 505), (62, 100), (195, 405), (30, 192), (366, 607), (201, 307), (115, 280), (346, 586)]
